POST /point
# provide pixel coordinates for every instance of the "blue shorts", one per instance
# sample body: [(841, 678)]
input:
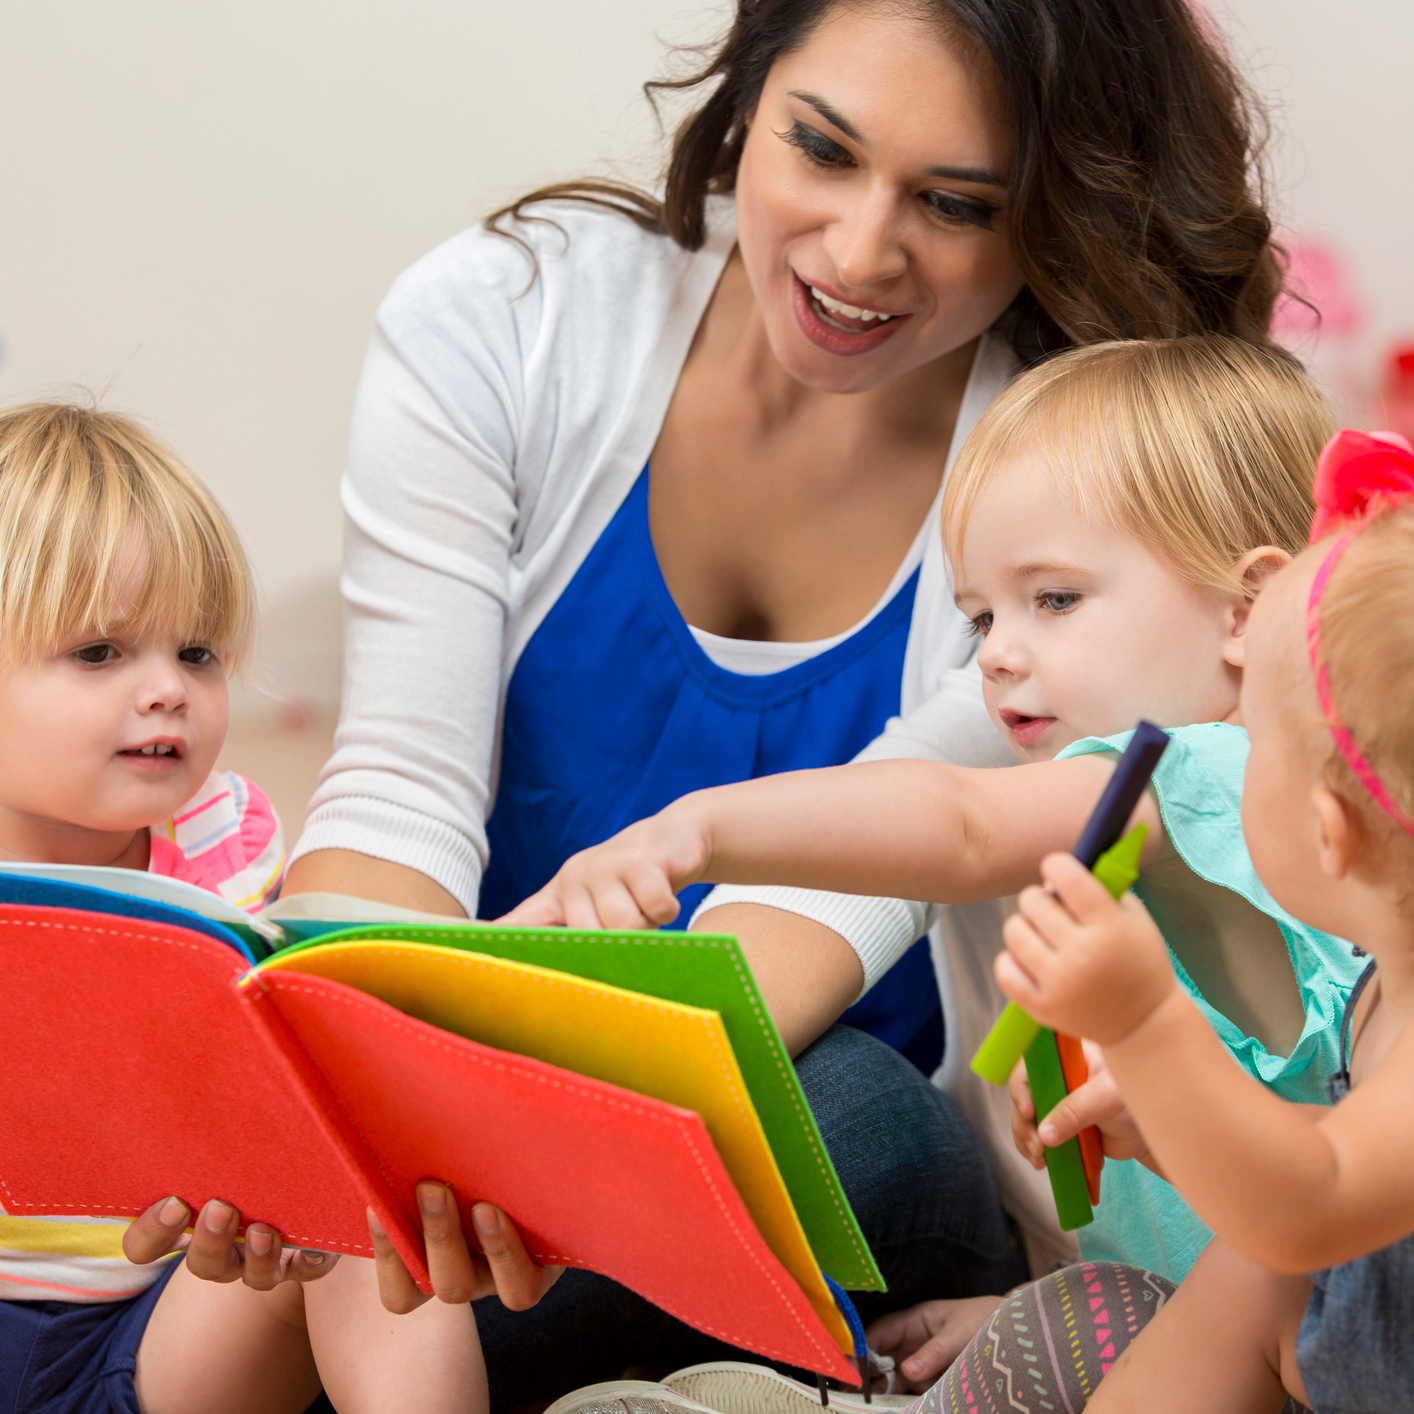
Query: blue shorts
[(63, 1357)]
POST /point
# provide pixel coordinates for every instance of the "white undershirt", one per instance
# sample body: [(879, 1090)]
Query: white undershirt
[(758, 657)]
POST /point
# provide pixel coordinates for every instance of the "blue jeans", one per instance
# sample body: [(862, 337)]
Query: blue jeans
[(914, 1173)]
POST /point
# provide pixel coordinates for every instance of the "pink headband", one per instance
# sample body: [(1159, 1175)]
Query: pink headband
[(1358, 475)]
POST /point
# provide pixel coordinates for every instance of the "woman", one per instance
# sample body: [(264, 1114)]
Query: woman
[(639, 499)]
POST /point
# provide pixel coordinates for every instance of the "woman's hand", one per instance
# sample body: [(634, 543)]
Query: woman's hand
[(1096, 1102), (629, 881), (1078, 961), (925, 1339), (212, 1252), (458, 1274)]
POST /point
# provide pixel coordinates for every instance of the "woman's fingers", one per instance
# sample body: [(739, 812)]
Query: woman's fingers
[(301, 1264), (449, 1261), (396, 1288), (158, 1231), (517, 1279), (265, 1258), (211, 1253)]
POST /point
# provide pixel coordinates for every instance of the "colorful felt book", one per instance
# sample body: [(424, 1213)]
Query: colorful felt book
[(624, 1097)]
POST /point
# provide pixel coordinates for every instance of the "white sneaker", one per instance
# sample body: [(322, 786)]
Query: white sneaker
[(732, 1387), (627, 1397), (721, 1387)]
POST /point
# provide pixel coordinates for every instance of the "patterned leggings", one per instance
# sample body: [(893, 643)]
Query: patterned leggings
[(1049, 1344)]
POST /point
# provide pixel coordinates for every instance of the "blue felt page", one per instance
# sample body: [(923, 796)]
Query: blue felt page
[(47, 893)]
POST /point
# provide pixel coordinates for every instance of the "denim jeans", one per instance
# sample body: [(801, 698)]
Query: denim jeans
[(914, 1173)]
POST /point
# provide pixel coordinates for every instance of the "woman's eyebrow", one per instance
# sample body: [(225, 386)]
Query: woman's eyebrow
[(983, 176), (830, 114)]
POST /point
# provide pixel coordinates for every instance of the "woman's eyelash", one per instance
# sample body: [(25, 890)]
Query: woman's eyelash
[(954, 208), (825, 152), (816, 146)]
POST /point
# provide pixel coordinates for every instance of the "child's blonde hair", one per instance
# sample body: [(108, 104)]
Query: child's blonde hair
[(1367, 646), (1203, 447), (102, 529)]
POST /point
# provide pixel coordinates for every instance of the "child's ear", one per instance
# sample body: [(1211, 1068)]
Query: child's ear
[(1250, 574), (1340, 836)]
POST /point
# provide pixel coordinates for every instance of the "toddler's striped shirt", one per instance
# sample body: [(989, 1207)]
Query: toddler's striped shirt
[(227, 839)]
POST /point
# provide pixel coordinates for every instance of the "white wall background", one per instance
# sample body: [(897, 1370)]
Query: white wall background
[(201, 204)]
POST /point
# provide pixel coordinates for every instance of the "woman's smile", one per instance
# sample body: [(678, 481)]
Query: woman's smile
[(841, 328)]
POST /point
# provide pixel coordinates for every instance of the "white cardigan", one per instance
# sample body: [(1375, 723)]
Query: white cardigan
[(500, 420), (498, 425)]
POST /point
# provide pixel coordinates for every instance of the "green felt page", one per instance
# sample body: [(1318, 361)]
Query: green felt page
[(702, 970)]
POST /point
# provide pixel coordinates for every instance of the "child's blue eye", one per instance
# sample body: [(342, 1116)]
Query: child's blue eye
[(1059, 601), (980, 626)]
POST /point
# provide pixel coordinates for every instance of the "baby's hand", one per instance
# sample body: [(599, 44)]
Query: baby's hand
[(1096, 1102), (629, 881), (1078, 961)]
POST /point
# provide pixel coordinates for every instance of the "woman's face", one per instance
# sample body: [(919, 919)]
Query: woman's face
[(873, 182)]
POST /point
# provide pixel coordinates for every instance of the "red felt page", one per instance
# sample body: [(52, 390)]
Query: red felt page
[(593, 1175), (131, 1070)]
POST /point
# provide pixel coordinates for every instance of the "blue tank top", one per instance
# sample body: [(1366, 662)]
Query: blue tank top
[(614, 711)]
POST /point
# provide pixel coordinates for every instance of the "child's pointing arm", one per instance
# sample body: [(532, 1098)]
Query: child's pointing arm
[(906, 829)]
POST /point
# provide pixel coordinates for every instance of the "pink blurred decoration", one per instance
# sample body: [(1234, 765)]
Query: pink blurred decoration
[(1399, 390), (1316, 273)]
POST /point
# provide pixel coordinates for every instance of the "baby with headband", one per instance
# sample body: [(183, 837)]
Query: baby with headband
[(1328, 814)]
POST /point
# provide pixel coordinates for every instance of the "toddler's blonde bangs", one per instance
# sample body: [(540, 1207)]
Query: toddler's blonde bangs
[(102, 531), (1203, 447)]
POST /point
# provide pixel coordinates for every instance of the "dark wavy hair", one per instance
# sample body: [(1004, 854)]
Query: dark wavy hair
[(1137, 202)]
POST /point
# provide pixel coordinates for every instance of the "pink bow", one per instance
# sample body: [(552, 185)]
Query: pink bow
[(1357, 473)]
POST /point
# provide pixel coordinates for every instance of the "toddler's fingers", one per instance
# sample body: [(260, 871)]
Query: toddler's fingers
[(1019, 1088), (1015, 983), (653, 893), (619, 905), (1083, 895), (540, 910), (156, 1232), (578, 904), (396, 1288), (1052, 923), (1023, 1118)]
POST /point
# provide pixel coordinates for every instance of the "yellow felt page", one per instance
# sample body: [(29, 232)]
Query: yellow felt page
[(680, 1054)]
